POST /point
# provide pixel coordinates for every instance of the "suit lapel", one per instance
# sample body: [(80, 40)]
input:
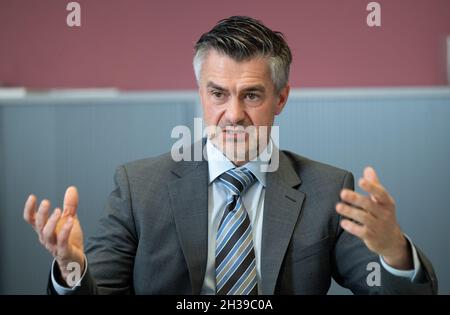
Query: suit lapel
[(189, 197), (282, 206)]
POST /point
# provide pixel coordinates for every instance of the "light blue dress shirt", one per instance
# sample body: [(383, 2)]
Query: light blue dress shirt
[(253, 200)]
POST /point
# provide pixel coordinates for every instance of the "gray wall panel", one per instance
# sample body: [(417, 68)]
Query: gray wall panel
[(47, 145)]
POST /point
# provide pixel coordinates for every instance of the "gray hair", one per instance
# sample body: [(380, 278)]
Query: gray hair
[(243, 38)]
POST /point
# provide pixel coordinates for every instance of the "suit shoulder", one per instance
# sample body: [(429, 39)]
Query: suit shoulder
[(307, 168), (154, 165)]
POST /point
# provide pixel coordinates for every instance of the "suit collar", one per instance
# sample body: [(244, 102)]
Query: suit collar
[(282, 208), (189, 198)]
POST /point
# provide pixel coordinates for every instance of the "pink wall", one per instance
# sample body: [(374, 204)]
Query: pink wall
[(137, 44)]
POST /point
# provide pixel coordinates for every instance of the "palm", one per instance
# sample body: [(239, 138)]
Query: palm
[(74, 246), (60, 233)]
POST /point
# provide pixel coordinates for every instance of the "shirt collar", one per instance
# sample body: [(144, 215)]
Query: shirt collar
[(218, 163)]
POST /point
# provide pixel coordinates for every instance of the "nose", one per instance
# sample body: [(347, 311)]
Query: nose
[(235, 112)]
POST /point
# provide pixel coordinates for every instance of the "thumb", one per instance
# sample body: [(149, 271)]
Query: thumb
[(71, 201), (370, 174)]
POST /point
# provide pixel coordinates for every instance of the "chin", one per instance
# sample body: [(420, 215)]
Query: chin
[(234, 149)]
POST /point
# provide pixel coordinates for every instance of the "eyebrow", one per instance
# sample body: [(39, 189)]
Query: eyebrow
[(255, 88), (215, 86), (251, 88)]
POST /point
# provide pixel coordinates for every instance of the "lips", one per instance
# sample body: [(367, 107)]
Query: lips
[(234, 131)]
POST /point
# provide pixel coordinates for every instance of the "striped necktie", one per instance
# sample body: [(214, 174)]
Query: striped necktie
[(235, 256)]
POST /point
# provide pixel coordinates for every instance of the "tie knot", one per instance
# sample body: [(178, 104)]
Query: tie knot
[(237, 180)]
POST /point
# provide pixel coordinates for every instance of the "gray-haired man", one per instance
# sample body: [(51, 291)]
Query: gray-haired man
[(223, 226)]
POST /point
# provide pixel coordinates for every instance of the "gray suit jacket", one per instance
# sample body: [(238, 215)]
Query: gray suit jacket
[(153, 237)]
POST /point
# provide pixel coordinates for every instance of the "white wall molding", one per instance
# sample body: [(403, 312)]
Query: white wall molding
[(112, 96)]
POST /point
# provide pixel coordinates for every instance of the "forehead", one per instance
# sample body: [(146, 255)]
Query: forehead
[(222, 69)]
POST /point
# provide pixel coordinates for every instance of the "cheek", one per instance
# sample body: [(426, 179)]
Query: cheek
[(212, 114), (262, 116)]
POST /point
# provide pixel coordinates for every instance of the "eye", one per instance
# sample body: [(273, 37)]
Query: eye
[(217, 94), (252, 96)]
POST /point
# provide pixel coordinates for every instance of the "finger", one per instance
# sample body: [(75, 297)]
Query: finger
[(49, 229), (63, 235), (376, 190), (29, 210), (353, 228), (357, 200), (358, 215), (70, 201), (42, 215), (370, 174)]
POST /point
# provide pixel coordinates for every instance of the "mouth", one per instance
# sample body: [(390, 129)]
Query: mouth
[(233, 131), (233, 134)]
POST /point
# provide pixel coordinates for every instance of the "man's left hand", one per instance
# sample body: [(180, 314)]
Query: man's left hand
[(376, 222)]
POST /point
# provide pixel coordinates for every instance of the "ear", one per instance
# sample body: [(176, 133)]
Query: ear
[(282, 99)]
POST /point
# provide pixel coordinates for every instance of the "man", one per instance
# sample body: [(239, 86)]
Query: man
[(226, 226)]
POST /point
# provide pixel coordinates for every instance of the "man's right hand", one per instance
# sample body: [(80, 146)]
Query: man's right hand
[(60, 233)]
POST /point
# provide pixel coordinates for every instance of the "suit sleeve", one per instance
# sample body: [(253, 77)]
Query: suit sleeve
[(111, 252), (355, 266)]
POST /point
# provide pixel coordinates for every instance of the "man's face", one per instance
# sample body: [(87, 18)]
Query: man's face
[(237, 97)]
